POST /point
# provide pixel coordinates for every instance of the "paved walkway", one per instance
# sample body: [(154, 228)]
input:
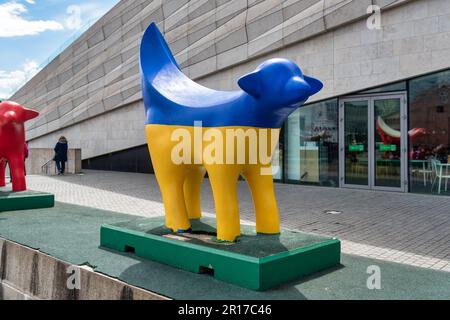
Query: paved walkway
[(405, 228)]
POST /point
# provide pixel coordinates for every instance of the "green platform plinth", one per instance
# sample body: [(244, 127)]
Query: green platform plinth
[(25, 200), (257, 262)]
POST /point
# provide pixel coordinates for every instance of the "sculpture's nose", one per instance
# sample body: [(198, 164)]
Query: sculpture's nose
[(314, 84), (30, 114)]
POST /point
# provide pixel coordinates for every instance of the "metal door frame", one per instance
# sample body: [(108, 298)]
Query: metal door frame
[(371, 140)]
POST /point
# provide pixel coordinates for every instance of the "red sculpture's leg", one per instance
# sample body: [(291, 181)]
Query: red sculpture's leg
[(2, 173), (17, 172)]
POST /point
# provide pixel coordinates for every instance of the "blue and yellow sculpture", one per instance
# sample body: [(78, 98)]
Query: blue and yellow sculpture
[(175, 105)]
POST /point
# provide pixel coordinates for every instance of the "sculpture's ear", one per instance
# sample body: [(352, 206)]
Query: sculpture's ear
[(251, 83), (30, 114)]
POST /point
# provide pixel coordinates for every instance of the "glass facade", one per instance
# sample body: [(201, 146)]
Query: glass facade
[(311, 141), (393, 87), (312, 145), (429, 135), (277, 162)]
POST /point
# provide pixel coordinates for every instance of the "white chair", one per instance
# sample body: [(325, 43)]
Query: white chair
[(426, 171), (441, 172)]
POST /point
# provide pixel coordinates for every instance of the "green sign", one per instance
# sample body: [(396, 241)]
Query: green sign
[(356, 148), (388, 148)]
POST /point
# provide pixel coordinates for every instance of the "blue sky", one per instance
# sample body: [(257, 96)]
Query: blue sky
[(33, 30)]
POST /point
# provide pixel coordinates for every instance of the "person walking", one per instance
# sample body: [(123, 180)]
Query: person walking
[(61, 155)]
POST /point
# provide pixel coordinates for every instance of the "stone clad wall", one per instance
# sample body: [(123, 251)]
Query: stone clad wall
[(119, 129), (93, 87), (414, 40)]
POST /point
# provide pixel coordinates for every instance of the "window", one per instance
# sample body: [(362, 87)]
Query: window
[(277, 162), (399, 86), (312, 148), (429, 135)]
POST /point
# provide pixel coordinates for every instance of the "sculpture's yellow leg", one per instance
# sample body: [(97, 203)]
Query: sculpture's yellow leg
[(170, 176), (171, 185), (224, 181), (192, 191), (265, 203)]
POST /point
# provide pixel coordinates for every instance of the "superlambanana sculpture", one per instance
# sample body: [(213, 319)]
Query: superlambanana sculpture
[(192, 130), (12, 140)]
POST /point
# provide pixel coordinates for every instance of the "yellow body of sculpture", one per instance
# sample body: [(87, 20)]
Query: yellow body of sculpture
[(182, 155)]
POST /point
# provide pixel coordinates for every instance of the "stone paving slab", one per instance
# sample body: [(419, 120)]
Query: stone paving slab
[(406, 228), (71, 233)]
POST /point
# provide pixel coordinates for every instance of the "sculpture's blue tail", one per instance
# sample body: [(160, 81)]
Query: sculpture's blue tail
[(155, 53)]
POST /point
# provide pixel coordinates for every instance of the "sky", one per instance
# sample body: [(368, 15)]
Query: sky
[(32, 31)]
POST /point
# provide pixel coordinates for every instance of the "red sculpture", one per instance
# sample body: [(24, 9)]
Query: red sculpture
[(12, 141)]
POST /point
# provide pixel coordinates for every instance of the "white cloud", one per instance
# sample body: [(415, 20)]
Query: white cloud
[(81, 15), (11, 81), (30, 1), (73, 21), (14, 25)]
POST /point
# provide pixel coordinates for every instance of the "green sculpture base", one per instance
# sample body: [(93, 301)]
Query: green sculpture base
[(257, 262), (25, 200)]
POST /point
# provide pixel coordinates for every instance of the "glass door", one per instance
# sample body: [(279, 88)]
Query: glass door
[(388, 143), (356, 143), (373, 142)]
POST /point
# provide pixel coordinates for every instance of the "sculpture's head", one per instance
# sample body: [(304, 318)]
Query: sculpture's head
[(280, 83), (11, 112)]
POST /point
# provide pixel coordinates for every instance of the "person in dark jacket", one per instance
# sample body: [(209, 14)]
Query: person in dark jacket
[(61, 155)]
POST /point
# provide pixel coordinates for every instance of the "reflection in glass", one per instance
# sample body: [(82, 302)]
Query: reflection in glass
[(429, 137), (312, 145), (387, 143), (356, 143), (277, 161), (399, 86)]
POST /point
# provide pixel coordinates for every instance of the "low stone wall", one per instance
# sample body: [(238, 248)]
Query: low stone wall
[(30, 274), (38, 157)]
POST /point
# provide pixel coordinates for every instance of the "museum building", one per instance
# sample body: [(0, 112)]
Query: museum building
[(382, 121)]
